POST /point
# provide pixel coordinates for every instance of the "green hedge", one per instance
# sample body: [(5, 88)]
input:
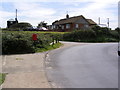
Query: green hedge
[(20, 42), (80, 35), (16, 44), (100, 35)]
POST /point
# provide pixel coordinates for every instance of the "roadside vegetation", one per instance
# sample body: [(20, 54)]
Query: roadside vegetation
[(2, 78), (96, 34), (50, 47), (20, 42)]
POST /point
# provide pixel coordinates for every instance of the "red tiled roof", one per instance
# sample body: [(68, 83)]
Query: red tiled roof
[(73, 20), (90, 21)]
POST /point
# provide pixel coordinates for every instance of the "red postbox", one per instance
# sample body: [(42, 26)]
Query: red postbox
[(34, 37)]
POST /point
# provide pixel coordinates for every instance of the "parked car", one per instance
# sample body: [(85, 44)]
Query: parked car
[(42, 28)]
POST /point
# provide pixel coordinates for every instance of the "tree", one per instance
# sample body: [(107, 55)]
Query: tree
[(117, 29), (42, 24), (96, 28), (21, 25)]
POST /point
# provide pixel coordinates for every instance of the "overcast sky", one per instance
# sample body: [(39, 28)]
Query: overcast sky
[(35, 11)]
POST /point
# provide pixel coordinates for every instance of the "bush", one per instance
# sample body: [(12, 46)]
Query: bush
[(114, 34), (21, 42), (16, 44), (98, 34), (80, 35), (21, 25)]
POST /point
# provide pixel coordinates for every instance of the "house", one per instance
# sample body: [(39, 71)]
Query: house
[(72, 23), (11, 22)]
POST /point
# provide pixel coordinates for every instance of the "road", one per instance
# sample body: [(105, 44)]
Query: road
[(86, 66)]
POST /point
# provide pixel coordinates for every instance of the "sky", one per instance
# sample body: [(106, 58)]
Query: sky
[(35, 11)]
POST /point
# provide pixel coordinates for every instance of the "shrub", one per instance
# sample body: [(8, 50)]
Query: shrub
[(98, 34), (80, 35), (21, 42), (16, 44)]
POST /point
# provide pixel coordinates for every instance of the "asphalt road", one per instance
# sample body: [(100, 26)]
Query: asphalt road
[(86, 66)]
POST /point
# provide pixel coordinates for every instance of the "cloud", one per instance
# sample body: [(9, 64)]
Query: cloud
[(96, 9), (34, 12), (4, 16), (33, 9), (105, 1), (28, 12)]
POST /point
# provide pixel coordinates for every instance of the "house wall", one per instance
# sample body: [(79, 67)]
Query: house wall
[(82, 24)]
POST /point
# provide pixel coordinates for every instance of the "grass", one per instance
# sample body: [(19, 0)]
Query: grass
[(51, 47), (2, 77), (37, 32)]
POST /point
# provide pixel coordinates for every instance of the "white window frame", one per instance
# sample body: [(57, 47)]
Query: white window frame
[(62, 26), (76, 25), (54, 26), (86, 26), (67, 26)]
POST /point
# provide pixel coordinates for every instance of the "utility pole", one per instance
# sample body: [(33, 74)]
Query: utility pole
[(16, 13), (108, 22), (16, 16), (99, 21)]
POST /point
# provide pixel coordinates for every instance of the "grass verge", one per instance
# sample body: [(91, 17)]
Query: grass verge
[(37, 32), (51, 47), (2, 77)]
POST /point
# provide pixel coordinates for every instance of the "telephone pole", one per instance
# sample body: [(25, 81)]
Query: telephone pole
[(16, 13), (99, 21), (16, 16), (108, 22)]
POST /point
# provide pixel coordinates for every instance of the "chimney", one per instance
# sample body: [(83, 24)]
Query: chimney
[(67, 16)]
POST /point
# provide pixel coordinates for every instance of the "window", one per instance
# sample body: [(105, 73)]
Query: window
[(57, 27), (67, 26), (11, 22), (86, 26), (76, 25), (62, 26), (54, 26)]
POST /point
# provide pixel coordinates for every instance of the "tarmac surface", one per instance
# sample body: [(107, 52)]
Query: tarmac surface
[(30, 70), (25, 70), (92, 65)]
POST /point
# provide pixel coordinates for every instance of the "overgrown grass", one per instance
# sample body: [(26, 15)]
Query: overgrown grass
[(2, 77), (51, 47), (37, 32)]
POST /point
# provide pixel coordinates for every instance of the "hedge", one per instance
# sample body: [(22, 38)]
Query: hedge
[(19, 43)]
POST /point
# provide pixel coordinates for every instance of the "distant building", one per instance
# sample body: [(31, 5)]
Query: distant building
[(102, 25), (11, 22), (72, 23)]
